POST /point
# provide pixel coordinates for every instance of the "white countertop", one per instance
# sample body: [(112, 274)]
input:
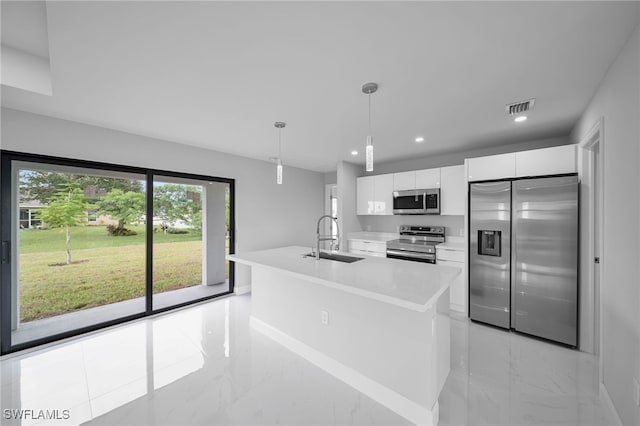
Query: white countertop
[(412, 285), (451, 245), (381, 237)]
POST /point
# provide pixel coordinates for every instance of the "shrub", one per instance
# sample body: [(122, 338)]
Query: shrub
[(114, 231), (177, 231)]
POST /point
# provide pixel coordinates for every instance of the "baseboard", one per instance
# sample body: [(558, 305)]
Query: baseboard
[(242, 290), (604, 395), (401, 405)]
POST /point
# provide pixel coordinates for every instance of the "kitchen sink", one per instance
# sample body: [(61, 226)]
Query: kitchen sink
[(336, 257)]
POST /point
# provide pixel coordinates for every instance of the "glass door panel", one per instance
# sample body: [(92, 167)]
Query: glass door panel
[(190, 240), (78, 251)]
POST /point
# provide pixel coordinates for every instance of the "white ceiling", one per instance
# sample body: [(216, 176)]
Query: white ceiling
[(24, 27), (217, 75)]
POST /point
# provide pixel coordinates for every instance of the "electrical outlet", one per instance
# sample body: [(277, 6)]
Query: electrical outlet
[(636, 391), (324, 317)]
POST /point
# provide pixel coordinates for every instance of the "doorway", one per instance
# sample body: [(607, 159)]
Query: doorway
[(331, 208), (591, 258)]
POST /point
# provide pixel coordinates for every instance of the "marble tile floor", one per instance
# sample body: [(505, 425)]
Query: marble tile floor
[(203, 365), (38, 329)]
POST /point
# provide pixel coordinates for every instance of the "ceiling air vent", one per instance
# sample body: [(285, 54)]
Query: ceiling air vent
[(520, 107)]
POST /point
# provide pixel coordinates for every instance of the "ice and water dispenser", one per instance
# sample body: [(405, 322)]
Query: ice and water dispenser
[(489, 243)]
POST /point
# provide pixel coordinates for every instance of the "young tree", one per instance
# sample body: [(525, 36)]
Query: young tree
[(66, 209), (173, 202), (227, 208), (126, 207), (42, 185)]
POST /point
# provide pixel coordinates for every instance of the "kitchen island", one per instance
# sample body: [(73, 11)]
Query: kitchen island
[(380, 325)]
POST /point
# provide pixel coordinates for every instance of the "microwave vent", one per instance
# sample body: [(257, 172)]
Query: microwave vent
[(520, 107)]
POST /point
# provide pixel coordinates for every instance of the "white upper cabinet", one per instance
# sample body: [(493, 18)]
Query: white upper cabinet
[(492, 167), (548, 161), (364, 195), (383, 194), (419, 179), (374, 195), (403, 181), (537, 162), (427, 179), (453, 190)]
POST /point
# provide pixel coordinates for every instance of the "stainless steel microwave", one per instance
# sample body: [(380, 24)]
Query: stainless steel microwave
[(417, 201)]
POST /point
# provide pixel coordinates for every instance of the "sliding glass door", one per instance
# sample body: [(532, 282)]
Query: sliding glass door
[(79, 252), (190, 239), (79, 248)]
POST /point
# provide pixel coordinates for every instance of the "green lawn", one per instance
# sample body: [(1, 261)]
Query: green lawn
[(105, 269), (86, 237)]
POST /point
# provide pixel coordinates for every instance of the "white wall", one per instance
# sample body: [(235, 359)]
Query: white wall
[(331, 177), (454, 224), (267, 215), (617, 102)]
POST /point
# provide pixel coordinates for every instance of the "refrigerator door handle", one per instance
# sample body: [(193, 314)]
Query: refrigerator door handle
[(513, 270)]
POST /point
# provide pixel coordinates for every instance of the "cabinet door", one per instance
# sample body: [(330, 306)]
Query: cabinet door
[(364, 195), (383, 194), (548, 161), (403, 181), (492, 167), (368, 246), (429, 178), (453, 190), (457, 293)]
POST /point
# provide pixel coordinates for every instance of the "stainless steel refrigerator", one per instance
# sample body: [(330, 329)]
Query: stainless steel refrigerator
[(523, 253)]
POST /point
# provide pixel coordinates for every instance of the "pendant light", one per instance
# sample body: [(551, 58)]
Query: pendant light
[(368, 89), (279, 125)]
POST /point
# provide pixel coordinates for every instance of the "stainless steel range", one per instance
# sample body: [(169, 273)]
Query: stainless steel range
[(416, 243)]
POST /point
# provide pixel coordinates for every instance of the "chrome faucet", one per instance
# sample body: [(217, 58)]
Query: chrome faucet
[(320, 238)]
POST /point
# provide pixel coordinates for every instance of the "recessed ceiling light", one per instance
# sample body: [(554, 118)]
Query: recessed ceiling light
[(354, 152), (420, 139), (520, 118)]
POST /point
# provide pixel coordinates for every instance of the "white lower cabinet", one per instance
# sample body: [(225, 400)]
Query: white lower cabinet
[(368, 248), (457, 291)]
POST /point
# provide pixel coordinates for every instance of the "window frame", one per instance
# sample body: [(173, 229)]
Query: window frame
[(7, 219)]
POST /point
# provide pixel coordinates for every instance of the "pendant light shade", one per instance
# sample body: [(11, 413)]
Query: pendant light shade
[(279, 172), (368, 89), (369, 154), (279, 125)]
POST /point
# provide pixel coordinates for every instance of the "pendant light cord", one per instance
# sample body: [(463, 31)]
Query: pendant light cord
[(279, 142), (369, 114)]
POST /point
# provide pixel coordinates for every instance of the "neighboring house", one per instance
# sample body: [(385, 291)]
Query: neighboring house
[(28, 220)]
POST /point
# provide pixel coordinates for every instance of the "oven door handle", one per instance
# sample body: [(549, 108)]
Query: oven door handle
[(411, 254), (424, 201)]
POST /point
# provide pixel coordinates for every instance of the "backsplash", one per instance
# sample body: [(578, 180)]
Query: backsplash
[(454, 225)]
